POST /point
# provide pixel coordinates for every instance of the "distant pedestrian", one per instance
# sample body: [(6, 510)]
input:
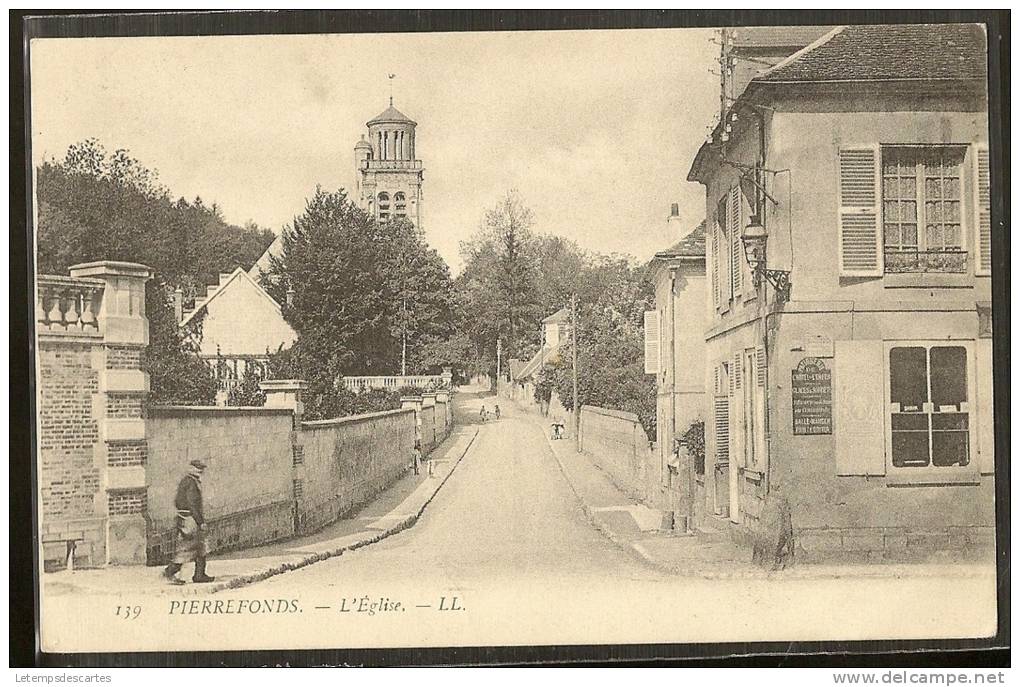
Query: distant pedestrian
[(483, 413), (416, 458), (191, 545), (432, 467), (497, 411)]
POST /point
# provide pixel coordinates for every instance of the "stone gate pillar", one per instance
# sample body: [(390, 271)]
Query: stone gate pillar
[(119, 405), (288, 393)]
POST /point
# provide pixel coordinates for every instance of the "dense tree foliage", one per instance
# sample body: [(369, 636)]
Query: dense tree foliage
[(361, 289), (514, 277), (94, 205), (610, 363)]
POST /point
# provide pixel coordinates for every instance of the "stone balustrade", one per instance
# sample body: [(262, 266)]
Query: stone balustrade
[(394, 382), (68, 305)]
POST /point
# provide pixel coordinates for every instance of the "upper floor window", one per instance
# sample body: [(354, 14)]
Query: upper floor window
[(400, 204), (384, 206), (922, 213), (902, 209)]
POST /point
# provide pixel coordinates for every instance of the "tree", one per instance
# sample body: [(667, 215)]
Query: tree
[(610, 360), (362, 290), (498, 285), (95, 205)]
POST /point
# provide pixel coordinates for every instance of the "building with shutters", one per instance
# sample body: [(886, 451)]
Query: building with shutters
[(675, 354), (853, 378)]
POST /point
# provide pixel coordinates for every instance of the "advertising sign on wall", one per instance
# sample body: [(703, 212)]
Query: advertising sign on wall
[(812, 397)]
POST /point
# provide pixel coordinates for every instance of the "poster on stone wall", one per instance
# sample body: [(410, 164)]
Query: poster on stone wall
[(812, 397)]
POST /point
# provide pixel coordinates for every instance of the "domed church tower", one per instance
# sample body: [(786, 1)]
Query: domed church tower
[(388, 178)]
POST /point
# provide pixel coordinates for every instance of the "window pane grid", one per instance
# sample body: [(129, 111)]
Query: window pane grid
[(922, 209), (899, 196), (930, 423)]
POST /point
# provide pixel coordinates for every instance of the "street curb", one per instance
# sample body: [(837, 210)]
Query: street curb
[(319, 556), (800, 573)]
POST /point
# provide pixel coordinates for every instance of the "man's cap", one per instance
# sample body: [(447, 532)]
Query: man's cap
[(199, 463)]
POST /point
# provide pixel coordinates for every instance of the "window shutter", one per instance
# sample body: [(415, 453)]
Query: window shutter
[(651, 342), (983, 211), (859, 406), (985, 414), (760, 364), (860, 235), (725, 280), (730, 377), (717, 388), (736, 247), (715, 264), (722, 429), (737, 416)]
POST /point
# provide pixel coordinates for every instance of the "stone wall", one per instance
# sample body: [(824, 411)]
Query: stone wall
[(617, 443), (428, 428), (109, 465), (349, 460), (249, 454)]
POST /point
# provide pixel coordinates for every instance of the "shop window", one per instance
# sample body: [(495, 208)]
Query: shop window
[(929, 410)]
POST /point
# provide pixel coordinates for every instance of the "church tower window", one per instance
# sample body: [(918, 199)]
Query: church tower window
[(399, 204), (384, 206)]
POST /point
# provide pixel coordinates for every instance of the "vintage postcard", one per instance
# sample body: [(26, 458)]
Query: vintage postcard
[(628, 336)]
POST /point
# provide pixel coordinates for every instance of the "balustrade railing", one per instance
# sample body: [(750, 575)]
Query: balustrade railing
[(68, 305), (393, 382), (391, 164), (944, 261)]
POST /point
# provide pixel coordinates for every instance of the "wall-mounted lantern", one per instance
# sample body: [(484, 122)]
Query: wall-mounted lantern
[(755, 240)]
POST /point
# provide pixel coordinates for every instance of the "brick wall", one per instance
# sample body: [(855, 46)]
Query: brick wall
[(124, 357), (127, 502), (126, 453), (68, 431)]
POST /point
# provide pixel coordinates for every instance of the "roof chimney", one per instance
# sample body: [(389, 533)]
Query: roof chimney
[(676, 225)]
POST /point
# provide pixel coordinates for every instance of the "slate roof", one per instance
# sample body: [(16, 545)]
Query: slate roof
[(691, 246), (887, 52), (776, 36), (390, 115)]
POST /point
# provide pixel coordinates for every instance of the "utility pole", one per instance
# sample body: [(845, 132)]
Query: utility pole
[(499, 357), (403, 338), (573, 341)]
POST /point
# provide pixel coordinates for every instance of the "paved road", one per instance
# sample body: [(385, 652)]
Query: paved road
[(505, 514), (506, 537)]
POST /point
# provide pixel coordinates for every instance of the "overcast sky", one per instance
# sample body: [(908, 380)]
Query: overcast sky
[(596, 129)]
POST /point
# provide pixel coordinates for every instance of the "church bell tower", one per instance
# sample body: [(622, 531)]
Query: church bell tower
[(388, 176)]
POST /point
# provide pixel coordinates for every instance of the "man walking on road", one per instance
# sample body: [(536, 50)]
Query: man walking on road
[(190, 526)]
